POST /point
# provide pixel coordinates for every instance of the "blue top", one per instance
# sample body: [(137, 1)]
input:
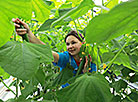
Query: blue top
[(65, 58)]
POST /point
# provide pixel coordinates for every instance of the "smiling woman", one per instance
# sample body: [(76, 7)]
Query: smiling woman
[(73, 40)]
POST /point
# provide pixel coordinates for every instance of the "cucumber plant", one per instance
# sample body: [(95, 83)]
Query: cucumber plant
[(111, 40)]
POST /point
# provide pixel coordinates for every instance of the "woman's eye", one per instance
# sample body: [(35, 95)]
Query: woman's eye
[(73, 42), (67, 44)]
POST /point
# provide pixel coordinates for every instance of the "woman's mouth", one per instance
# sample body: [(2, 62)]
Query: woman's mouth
[(71, 51)]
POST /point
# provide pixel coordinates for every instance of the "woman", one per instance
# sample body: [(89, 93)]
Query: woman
[(73, 42)]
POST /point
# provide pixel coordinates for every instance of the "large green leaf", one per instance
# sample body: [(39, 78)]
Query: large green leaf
[(46, 25), (80, 10), (19, 8), (22, 59), (86, 88), (41, 10), (123, 59), (120, 20)]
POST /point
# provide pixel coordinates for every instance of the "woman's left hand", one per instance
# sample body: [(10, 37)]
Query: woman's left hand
[(86, 63)]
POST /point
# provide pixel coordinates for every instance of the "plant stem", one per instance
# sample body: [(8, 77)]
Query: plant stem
[(7, 86), (102, 5), (79, 24), (99, 54), (14, 36), (77, 31), (109, 65), (17, 82), (129, 98)]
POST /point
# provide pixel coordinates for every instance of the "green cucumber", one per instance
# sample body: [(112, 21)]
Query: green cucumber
[(25, 36), (81, 66)]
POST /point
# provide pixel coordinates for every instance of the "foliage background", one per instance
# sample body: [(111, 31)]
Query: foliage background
[(111, 36)]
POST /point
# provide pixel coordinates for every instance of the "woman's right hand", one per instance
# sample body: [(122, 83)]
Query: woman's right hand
[(21, 31)]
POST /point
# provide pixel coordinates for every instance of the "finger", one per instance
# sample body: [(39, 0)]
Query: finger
[(80, 59), (21, 33), (16, 25), (23, 23), (15, 20), (90, 58), (21, 30), (86, 62)]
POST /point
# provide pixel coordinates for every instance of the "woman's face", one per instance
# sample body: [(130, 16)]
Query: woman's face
[(73, 45)]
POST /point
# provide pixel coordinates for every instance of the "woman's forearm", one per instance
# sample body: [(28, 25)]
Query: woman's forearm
[(34, 39)]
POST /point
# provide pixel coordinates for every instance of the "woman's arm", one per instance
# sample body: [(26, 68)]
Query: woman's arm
[(32, 38), (25, 30)]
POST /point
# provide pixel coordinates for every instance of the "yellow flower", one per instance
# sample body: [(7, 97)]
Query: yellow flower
[(64, 36), (87, 44), (83, 53), (56, 33), (13, 79), (72, 23), (27, 81), (11, 36), (89, 69), (126, 35), (27, 22), (104, 66), (51, 16), (89, 14), (22, 88)]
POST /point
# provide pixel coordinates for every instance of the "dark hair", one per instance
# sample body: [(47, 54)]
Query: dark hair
[(74, 33)]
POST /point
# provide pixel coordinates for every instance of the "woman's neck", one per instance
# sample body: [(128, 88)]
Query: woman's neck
[(76, 57)]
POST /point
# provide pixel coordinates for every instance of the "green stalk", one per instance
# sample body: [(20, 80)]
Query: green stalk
[(129, 99), (81, 66), (14, 36), (79, 24), (103, 2), (77, 31), (109, 65), (7, 86), (99, 55), (92, 12), (102, 5), (17, 82)]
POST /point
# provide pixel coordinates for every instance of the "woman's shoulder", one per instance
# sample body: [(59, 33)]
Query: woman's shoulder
[(64, 53)]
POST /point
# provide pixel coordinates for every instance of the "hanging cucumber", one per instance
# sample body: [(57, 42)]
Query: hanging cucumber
[(81, 66), (25, 36)]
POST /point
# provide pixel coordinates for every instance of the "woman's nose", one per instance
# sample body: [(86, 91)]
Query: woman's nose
[(70, 46)]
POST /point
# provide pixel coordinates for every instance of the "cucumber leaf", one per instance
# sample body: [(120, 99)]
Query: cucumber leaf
[(73, 14), (86, 89), (22, 59), (120, 20)]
